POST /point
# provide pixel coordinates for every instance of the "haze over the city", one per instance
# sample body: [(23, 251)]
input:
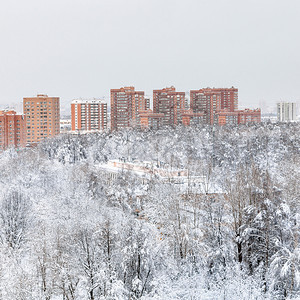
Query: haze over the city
[(78, 48)]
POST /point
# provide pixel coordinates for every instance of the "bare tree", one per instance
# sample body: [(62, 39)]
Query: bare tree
[(14, 216)]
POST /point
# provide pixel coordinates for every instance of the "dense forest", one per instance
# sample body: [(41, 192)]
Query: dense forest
[(68, 233)]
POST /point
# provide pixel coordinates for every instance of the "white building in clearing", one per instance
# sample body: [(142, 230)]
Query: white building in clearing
[(286, 111), (145, 170)]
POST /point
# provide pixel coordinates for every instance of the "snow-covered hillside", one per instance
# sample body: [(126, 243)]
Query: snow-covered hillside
[(71, 230)]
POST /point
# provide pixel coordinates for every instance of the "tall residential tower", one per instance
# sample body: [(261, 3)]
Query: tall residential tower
[(42, 117), (170, 103), (206, 101), (12, 129), (126, 104), (89, 115), (286, 111)]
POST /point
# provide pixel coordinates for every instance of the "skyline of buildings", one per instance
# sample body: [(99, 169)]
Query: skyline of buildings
[(170, 107), (65, 107)]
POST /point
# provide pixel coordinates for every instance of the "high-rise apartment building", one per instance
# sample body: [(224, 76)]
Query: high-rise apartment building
[(126, 103), (206, 101), (89, 115), (12, 129), (171, 103), (286, 111), (42, 117), (228, 97), (220, 106)]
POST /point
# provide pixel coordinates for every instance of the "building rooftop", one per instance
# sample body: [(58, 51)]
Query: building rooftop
[(88, 101)]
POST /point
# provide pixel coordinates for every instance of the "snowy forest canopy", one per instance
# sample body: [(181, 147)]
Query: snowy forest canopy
[(67, 233)]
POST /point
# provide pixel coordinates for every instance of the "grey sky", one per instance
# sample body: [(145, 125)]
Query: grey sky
[(82, 48)]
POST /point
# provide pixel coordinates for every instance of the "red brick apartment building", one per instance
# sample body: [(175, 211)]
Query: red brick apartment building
[(238, 117), (206, 101), (126, 104), (249, 116), (228, 97), (170, 103), (88, 115), (225, 116), (149, 119), (42, 117), (191, 118), (220, 106), (12, 130)]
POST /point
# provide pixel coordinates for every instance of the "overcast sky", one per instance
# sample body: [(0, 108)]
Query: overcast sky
[(83, 48)]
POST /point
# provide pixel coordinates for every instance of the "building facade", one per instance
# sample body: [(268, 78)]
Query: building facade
[(206, 101), (12, 130), (42, 117), (151, 120), (170, 103), (191, 118), (226, 117), (88, 115), (220, 107), (286, 111), (249, 116), (126, 104), (246, 116), (228, 98)]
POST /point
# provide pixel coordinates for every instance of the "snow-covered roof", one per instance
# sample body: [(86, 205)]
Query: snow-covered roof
[(88, 101)]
